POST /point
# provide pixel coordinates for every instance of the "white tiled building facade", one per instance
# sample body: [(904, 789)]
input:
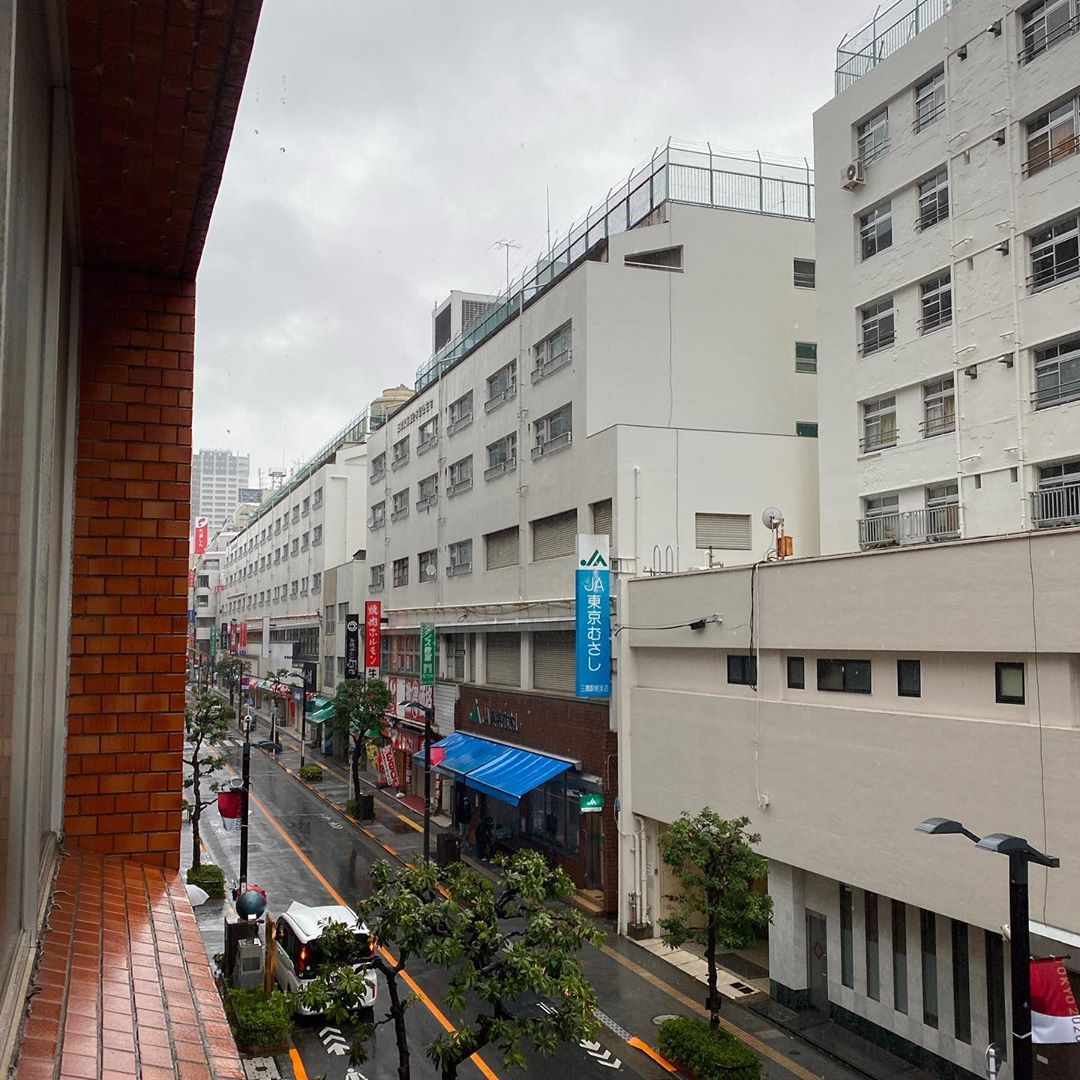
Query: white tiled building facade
[(949, 295), (216, 479)]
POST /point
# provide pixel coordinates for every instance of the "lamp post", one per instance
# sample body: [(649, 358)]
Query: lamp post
[(429, 716), (310, 682), (245, 787), (1020, 854)]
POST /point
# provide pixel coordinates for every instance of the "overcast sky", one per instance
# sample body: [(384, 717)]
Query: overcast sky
[(382, 149)]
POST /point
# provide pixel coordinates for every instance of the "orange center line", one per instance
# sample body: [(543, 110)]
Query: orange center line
[(476, 1059)]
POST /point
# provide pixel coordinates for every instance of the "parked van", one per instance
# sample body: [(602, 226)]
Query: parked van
[(298, 955)]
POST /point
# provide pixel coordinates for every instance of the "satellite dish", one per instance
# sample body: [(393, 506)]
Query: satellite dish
[(772, 518)]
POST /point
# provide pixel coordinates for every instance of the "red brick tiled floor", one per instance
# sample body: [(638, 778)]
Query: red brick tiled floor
[(123, 987)]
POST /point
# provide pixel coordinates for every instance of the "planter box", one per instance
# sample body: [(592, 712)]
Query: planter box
[(639, 931)]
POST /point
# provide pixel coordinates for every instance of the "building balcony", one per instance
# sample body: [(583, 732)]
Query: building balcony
[(501, 397), (426, 444), (926, 526), (500, 468), (548, 367), (550, 446), (1055, 506)]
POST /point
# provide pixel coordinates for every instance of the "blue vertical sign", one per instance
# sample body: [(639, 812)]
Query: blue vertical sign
[(592, 617)]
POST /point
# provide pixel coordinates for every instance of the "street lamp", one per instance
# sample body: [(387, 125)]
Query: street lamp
[(429, 716), (1020, 854)]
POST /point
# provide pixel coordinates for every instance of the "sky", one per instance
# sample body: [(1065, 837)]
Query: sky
[(382, 150)]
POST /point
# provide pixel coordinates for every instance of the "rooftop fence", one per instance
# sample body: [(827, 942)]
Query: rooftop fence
[(888, 29), (693, 173)]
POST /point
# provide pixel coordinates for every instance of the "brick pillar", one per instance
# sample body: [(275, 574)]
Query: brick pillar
[(129, 576)]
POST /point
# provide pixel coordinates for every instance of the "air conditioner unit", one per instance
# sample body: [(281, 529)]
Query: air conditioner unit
[(853, 175)]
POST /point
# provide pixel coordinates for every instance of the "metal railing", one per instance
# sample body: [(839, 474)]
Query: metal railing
[(459, 569), (675, 172), (925, 526), (1051, 156), (924, 120), (427, 444), (937, 321), (875, 343), (931, 216), (551, 445), (1059, 505), (458, 488), (399, 515), (458, 424), (939, 426), (501, 398), (1053, 273), (883, 440), (1058, 34), (503, 467), (886, 31), (1056, 395), (376, 477), (427, 500), (542, 371)]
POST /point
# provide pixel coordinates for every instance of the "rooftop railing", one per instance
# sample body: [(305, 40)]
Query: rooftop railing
[(888, 29), (676, 172)]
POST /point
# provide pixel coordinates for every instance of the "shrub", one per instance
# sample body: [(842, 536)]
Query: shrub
[(209, 877), (259, 1022), (352, 808), (709, 1055), (311, 773)]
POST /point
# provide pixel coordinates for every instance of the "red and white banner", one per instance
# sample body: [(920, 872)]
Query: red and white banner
[(243, 638), (202, 535), (191, 579), (1054, 1014), (388, 766), (409, 688), (233, 635), (372, 637)]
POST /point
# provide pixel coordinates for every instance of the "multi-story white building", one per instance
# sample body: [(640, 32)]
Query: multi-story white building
[(652, 380), (949, 297), (216, 479), (837, 703), (275, 566)]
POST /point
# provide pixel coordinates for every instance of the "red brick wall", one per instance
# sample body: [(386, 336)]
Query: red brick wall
[(565, 727), (129, 581)]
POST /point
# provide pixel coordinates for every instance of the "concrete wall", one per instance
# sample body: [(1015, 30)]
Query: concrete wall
[(1000, 438)]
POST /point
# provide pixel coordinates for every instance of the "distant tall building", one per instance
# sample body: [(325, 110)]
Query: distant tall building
[(216, 479)]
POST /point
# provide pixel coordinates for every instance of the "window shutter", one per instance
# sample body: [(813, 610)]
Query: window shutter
[(504, 659), (730, 531), (554, 536), (601, 518), (502, 548), (553, 660)]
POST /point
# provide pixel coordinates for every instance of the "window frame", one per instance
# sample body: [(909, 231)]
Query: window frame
[(501, 386), (875, 230), (429, 558), (875, 432), (932, 196), (800, 275), (873, 317), (459, 418), (1043, 127), (377, 581), (459, 476), (937, 394), (562, 419), (1000, 696), (455, 566), (1040, 39), (792, 684), (742, 669), (1049, 358), (845, 687), (1043, 245), (932, 88), (401, 572), (913, 669), (808, 362), (508, 463), (935, 303), (872, 136)]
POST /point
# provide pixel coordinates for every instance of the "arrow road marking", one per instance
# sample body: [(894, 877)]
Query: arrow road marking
[(591, 1047), (333, 1041), (355, 1074)]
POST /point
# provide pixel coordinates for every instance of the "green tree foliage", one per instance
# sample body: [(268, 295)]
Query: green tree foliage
[(359, 708), (510, 948), (231, 670), (717, 866), (204, 724)]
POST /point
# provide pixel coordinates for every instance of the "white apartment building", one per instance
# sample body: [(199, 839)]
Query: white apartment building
[(873, 691), (312, 524), (216, 479), (949, 297), (652, 380)]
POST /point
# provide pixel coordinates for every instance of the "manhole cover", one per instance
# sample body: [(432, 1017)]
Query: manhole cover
[(658, 1020)]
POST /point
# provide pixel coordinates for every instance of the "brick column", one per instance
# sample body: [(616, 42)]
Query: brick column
[(129, 579)]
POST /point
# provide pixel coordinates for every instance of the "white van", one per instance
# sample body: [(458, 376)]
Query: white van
[(296, 943)]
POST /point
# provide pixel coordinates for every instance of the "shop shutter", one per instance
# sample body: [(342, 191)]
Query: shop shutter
[(731, 531), (554, 536), (601, 518), (502, 548), (504, 659), (553, 660)]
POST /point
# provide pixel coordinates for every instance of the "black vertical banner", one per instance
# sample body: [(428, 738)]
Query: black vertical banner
[(224, 637), (352, 646), (310, 678)]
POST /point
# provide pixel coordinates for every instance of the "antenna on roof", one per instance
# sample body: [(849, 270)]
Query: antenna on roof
[(506, 245)]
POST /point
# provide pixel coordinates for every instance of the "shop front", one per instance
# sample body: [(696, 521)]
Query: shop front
[(529, 770)]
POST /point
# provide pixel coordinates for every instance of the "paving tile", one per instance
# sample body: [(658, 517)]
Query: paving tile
[(76, 1065)]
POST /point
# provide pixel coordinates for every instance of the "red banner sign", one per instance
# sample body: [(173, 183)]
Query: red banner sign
[(388, 766), (191, 579), (202, 535), (372, 637), (232, 637), (243, 637)]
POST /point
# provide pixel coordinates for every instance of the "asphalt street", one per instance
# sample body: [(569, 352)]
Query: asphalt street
[(302, 849)]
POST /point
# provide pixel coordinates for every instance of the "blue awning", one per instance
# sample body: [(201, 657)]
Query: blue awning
[(504, 772)]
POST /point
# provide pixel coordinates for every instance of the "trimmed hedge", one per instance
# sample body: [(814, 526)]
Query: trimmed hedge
[(259, 1022), (709, 1055), (311, 773), (210, 878)]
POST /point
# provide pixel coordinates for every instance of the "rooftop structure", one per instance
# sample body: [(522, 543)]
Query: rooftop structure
[(694, 173), (888, 29)]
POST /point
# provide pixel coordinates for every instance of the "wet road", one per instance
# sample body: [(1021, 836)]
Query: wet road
[(301, 849)]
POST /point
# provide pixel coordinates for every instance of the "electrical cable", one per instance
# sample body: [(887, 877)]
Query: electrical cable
[(693, 624)]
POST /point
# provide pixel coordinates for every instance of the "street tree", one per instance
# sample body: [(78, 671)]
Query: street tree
[(510, 948), (231, 670), (205, 723), (359, 709), (718, 869), (400, 908)]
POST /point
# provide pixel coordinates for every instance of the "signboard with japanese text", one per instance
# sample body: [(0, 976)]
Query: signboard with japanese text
[(409, 688), (233, 635), (224, 637), (592, 617), (352, 646), (427, 654), (202, 535), (388, 766), (590, 802), (372, 637), (242, 643)]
